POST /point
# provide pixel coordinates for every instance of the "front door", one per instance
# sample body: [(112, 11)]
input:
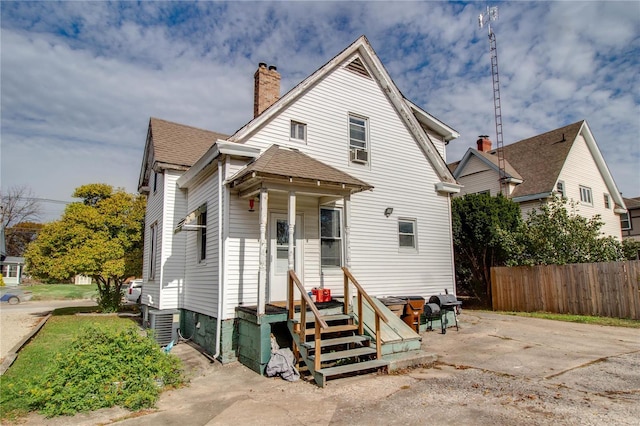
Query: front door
[(279, 255)]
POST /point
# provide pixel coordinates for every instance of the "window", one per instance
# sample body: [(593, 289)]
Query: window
[(407, 233), (585, 195), (358, 146), (153, 234), (10, 271), (560, 188), (202, 233), (607, 202), (330, 238), (298, 131), (625, 223), (155, 182)]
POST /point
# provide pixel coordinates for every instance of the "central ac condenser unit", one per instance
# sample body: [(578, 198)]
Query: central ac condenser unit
[(164, 324)]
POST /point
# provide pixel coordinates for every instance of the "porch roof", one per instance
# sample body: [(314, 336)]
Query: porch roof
[(297, 168)]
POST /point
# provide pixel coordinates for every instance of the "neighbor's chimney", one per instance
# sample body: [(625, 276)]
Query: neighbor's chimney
[(484, 143), (267, 88)]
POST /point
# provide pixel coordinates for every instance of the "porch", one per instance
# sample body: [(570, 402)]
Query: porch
[(345, 336)]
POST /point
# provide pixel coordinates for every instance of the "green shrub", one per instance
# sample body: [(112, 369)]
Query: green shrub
[(103, 368)]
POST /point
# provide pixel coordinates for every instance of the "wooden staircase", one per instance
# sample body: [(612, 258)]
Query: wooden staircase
[(331, 344)]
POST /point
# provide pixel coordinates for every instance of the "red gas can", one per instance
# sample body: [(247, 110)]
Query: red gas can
[(322, 294)]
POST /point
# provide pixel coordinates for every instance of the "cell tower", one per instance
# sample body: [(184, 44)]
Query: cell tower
[(485, 18)]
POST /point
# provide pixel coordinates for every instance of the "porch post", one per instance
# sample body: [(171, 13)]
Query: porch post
[(262, 272), (292, 227), (347, 231)]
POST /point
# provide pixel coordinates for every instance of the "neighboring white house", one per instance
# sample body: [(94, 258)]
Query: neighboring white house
[(343, 162), (12, 269), (565, 162)]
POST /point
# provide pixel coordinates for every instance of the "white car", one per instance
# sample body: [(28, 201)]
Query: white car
[(134, 291)]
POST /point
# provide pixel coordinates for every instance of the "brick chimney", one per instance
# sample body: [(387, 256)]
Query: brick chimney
[(266, 89), (484, 143)]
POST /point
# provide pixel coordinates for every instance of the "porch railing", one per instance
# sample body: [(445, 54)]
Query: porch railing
[(361, 294), (305, 301)]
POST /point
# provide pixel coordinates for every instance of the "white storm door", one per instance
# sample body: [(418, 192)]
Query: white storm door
[(279, 255)]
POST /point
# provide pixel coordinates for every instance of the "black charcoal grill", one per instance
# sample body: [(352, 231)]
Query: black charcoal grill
[(445, 302)]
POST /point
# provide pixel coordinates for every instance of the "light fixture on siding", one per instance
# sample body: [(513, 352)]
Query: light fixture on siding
[(251, 204), (388, 211)]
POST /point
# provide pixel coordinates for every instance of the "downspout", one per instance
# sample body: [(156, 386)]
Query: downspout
[(220, 258)]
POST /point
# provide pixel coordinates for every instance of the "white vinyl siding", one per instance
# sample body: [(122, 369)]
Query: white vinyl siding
[(162, 208), (478, 177), (200, 293), (580, 169), (403, 179)]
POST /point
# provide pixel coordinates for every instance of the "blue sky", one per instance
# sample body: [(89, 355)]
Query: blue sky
[(79, 80)]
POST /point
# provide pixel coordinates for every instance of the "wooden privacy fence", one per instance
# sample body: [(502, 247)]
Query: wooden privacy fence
[(605, 289)]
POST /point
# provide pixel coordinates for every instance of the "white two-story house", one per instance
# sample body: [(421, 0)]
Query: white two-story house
[(341, 171), (562, 162)]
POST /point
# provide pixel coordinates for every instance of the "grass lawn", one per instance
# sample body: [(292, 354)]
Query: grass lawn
[(585, 319), (37, 355), (61, 291)]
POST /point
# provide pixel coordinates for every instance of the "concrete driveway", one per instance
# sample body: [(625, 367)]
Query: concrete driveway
[(496, 370), (531, 347)]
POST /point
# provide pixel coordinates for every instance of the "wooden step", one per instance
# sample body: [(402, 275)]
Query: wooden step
[(328, 318), (324, 373), (350, 353), (337, 341), (332, 329)]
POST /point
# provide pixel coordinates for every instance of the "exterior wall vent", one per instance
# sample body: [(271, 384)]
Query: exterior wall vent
[(358, 67)]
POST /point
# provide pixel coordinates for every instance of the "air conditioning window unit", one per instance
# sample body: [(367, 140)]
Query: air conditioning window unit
[(359, 155), (164, 324)]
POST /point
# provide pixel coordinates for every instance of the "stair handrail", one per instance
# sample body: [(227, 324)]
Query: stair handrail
[(361, 293), (302, 326)]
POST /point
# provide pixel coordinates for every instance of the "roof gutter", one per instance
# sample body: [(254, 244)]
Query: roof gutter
[(532, 197), (220, 147)]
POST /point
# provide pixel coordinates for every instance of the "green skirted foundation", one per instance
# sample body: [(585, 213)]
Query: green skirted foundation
[(201, 329), (254, 337)]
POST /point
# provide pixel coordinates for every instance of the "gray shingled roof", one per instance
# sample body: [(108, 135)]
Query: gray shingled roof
[(283, 162), (539, 159), (179, 145), (632, 203)]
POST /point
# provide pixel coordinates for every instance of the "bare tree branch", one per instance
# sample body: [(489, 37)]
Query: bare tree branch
[(18, 204)]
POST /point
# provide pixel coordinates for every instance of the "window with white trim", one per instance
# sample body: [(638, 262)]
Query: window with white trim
[(10, 271), (560, 188), (607, 201), (358, 140), (202, 233), (298, 131), (330, 237), (585, 195), (153, 247), (407, 233), (625, 222)]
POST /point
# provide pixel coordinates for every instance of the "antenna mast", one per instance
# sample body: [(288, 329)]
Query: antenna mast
[(491, 14)]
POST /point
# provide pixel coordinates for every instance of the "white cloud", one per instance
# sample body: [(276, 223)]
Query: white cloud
[(80, 80)]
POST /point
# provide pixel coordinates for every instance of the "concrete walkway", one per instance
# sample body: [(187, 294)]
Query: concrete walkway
[(496, 370)]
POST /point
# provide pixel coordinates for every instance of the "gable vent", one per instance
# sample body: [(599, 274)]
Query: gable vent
[(358, 67)]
